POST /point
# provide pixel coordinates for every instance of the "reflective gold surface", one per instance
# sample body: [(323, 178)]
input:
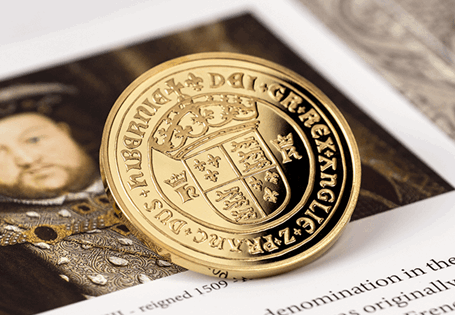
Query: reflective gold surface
[(229, 164)]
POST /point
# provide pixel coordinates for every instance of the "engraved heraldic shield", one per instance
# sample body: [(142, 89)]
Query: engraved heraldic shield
[(206, 150), (216, 160)]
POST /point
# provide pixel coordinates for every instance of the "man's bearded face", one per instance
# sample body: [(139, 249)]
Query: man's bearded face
[(39, 159)]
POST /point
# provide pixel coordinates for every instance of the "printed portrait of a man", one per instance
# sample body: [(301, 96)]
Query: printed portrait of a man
[(40, 159), (60, 239)]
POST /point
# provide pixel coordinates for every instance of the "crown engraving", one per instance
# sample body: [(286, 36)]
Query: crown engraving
[(190, 124), (176, 179), (285, 144), (184, 190)]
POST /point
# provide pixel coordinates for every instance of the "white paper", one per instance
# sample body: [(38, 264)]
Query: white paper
[(378, 249)]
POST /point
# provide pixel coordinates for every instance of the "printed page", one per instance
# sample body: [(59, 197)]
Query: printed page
[(409, 42), (63, 243)]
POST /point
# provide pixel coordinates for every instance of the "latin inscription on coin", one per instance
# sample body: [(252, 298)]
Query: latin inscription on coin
[(229, 162)]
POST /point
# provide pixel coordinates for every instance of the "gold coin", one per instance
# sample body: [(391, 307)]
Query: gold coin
[(230, 165)]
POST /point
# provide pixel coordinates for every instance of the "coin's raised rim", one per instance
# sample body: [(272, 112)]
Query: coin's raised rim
[(256, 270)]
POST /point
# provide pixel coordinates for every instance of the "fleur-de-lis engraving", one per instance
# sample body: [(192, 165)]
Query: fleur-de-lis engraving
[(182, 132), (255, 183), (194, 82), (270, 195), (211, 175), (213, 160), (199, 165), (271, 177)]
